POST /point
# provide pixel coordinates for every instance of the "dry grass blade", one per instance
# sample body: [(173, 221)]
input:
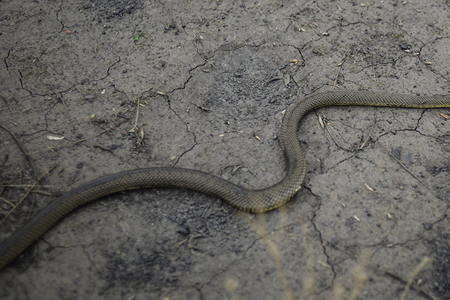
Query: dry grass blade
[(425, 261), (26, 194), (276, 256), (360, 276)]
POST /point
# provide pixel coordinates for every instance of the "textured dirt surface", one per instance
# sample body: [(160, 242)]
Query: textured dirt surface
[(211, 80)]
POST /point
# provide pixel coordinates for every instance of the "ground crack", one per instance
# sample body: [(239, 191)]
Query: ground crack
[(57, 17), (5, 60), (187, 129), (322, 242)]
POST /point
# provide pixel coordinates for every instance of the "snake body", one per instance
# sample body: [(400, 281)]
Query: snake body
[(244, 199)]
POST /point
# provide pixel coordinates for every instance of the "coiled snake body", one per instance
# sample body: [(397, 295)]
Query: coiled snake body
[(244, 199)]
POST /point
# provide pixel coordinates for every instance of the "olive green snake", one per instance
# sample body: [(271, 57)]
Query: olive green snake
[(241, 198)]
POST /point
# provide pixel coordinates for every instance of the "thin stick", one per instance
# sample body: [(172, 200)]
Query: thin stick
[(339, 70), (24, 186), (138, 104), (410, 172)]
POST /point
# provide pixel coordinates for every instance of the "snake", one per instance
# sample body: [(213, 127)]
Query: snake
[(250, 200)]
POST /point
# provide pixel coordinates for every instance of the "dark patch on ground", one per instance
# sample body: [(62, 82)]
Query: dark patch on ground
[(107, 10), (440, 247)]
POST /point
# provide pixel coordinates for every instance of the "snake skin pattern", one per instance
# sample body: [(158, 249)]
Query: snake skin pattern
[(244, 199)]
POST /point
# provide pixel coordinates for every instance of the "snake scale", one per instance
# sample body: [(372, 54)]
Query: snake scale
[(244, 199)]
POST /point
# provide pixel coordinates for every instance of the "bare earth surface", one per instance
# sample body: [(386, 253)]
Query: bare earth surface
[(211, 80)]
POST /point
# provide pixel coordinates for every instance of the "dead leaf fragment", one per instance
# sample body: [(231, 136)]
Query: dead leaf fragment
[(54, 137), (445, 116), (287, 79), (321, 122), (323, 264), (369, 188)]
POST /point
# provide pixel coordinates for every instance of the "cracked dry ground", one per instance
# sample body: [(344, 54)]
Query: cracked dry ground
[(211, 81)]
